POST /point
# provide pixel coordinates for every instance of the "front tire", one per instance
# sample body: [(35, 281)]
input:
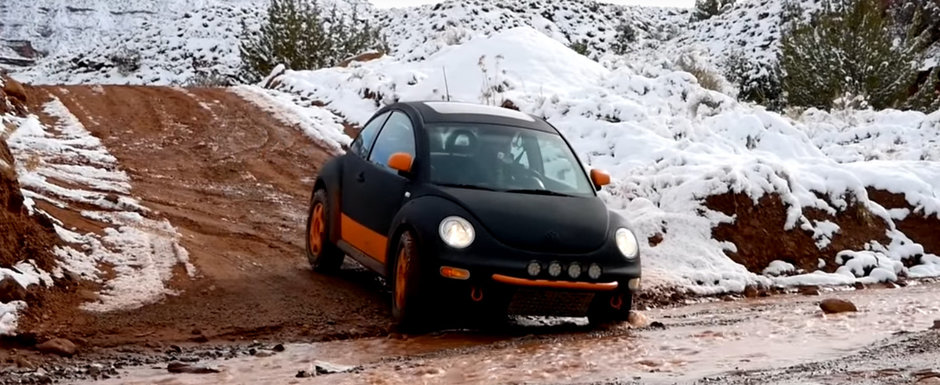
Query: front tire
[(323, 255), (409, 299)]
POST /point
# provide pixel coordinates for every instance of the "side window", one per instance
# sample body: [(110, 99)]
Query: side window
[(397, 136), (366, 137), (557, 164)]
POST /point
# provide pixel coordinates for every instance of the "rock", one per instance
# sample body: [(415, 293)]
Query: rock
[(179, 367), (60, 346), (936, 325), (200, 339), (264, 353), (87, 295), (657, 325), (859, 286), (22, 362), (10, 290), (637, 319), (751, 292), (928, 381), (304, 374), (834, 305), (321, 367), (809, 290), (278, 348)]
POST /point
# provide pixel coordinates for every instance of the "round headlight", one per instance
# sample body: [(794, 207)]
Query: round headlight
[(534, 268), (456, 232), (594, 271), (554, 269), (627, 243), (574, 270)]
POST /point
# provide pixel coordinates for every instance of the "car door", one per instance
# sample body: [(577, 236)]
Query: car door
[(375, 192)]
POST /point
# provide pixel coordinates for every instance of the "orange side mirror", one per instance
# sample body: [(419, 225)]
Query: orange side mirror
[(400, 161), (599, 178)]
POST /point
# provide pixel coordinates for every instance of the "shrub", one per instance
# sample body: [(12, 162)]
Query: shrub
[(297, 34), (849, 49), (707, 78), (706, 9), (127, 61), (624, 38), (757, 82), (580, 47)]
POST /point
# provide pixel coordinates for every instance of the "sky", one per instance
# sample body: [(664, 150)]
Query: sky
[(661, 3)]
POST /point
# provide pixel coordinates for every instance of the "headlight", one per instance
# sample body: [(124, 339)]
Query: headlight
[(627, 244), (456, 232)]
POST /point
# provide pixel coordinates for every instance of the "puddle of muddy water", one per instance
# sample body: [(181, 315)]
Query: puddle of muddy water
[(700, 340)]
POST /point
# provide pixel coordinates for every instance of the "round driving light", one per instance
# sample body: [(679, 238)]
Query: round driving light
[(574, 270), (554, 269), (456, 232), (594, 271), (627, 243), (534, 268)]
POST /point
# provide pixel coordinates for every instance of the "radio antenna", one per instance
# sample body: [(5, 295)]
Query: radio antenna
[(446, 88)]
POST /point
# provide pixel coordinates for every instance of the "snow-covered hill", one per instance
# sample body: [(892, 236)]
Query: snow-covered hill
[(175, 41)]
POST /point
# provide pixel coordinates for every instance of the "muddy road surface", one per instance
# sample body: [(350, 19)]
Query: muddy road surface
[(778, 340), (236, 184)]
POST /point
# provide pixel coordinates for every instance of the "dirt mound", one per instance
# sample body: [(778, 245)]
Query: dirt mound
[(12, 97), (758, 232), (918, 226), (22, 237)]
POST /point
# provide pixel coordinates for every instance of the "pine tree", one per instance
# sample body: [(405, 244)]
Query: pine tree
[(848, 50), (297, 35), (706, 9)]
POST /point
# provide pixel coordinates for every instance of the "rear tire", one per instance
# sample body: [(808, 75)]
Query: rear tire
[(604, 311), (323, 255), (409, 294)]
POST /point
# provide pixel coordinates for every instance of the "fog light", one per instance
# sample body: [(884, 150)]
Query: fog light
[(574, 270), (554, 269), (534, 268), (634, 284), (594, 271)]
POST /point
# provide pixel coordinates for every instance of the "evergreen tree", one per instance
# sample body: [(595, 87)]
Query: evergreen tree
[(297, 34), (847, 50)]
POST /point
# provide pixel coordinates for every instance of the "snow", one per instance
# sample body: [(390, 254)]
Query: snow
[(66, 166), (777, 268), (669, 144)]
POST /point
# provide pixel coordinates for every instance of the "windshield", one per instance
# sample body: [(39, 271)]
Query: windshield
[(504, 158)]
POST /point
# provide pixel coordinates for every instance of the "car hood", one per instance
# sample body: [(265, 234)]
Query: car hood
[(538, 222)]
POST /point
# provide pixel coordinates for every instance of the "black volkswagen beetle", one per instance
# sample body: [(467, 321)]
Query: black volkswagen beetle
[(473, 205)]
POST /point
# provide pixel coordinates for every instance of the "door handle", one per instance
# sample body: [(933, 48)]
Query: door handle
[(361, 177)]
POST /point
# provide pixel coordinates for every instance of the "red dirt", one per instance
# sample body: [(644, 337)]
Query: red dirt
[(236, 183), (758, 232), (917, 226)]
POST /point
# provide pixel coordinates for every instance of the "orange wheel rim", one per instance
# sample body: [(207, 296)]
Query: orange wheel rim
[(317, 228), (400, 281)]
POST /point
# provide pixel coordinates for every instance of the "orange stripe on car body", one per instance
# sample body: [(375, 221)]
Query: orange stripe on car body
[(369, 242), (598, 286)]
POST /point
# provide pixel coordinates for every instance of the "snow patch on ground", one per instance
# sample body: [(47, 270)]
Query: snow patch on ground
[(67, 167), (669, 144)]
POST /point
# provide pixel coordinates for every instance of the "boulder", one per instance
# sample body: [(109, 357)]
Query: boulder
[(835, 305), (179, 367), (10, 290), (60, 346)]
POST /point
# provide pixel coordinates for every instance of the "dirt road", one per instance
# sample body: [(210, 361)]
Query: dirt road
[(236, 183)]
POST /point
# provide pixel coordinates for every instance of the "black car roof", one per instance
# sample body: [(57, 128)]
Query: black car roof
[(459, 112)]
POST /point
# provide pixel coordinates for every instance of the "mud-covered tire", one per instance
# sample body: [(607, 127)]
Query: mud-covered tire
[(323, 255), (409, 291), (602, 311)]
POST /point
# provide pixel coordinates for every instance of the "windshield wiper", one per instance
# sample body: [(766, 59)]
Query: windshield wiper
[(538, 192), (466, 186)]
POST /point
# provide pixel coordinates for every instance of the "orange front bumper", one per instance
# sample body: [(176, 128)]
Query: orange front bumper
[(595, 286)]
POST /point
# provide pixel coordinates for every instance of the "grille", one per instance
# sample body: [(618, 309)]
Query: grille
[(550, 303)]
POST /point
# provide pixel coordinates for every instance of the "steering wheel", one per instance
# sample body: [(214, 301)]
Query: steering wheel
[(451, 143)]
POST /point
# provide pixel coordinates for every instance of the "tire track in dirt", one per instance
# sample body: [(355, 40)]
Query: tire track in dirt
[(236, 184)]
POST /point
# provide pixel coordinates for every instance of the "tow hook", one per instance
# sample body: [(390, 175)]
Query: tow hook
[(476, 294), (616, 301)]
